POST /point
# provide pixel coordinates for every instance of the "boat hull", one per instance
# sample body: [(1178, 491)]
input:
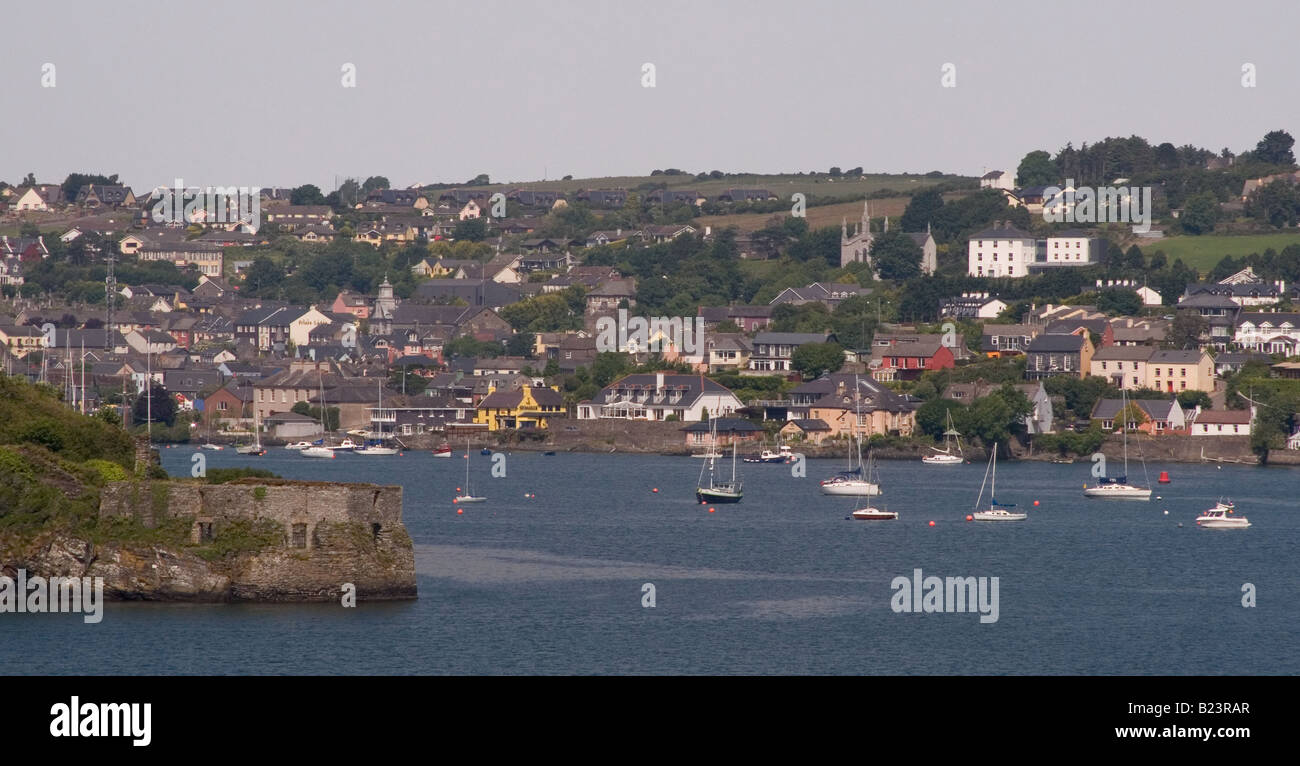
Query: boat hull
[(998, 516), (470, 499), (318, 452), (851, 489), (250, 450), (873, 514), (1222, 523), (1123, 492), (714, 496), (374, 451), (942, 460)]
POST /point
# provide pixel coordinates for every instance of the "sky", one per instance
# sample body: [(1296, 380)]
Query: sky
[(243, 93)]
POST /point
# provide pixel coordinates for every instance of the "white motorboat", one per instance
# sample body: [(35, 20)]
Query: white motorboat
[(1221, 517), (376, 449), (298, 445), (946, 456), (443, 451), (345, 445), (1118, 488), (315, 451), (210, 446), (996, 511)]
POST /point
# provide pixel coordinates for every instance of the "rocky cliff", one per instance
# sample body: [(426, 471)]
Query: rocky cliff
[(252, 540)]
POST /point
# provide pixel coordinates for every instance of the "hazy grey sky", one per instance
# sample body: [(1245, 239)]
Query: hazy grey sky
[(249, 94)]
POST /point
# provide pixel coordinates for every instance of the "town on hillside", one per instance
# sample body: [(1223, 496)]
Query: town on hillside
[(1047, 306)]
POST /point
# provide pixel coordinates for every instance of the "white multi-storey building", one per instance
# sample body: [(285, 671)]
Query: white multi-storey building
[(1001, 251)]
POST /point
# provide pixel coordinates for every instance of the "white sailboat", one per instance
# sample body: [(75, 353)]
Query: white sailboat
[(719, 491), (867, 512), (378, 448), (468, 497), (320, 450), (996, 511), (1118, 488), (945, 456), (854, 481), (256, 447)]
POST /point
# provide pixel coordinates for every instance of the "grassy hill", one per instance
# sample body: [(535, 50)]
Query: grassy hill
[(1203, 253)]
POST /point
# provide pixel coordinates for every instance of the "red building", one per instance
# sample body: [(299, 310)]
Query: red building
[(907, 360)]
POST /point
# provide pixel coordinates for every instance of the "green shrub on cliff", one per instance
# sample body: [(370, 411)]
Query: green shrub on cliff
[(242, 536), (106, 471), (32, 414), (223, 475)]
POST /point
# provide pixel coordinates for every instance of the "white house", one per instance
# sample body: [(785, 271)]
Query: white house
[(998, 179), (1269, 332), (300, 328), (1000, 251), (1072, 248), (657, 396), (1223, 422)]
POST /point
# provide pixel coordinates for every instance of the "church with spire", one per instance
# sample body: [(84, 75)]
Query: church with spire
[(856, 247)]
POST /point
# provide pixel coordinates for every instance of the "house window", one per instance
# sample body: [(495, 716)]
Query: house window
[(299, 536)]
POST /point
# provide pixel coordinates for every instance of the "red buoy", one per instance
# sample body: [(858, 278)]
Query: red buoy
[(1164, 477)]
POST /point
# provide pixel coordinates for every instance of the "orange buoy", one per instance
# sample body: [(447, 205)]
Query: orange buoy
[(1164, 477), (932, 523), (968, 518), (1035, 502), (710, 510), (460, 510), (656, 489)]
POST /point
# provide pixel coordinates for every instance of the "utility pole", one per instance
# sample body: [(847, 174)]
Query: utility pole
[(110, 298)]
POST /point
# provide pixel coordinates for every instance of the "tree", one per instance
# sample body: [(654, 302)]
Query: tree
[(1200, 213), (481, 179), (307, 194), (264, 277), (1119, 302), (1275, 148), (1191, 399), (922, 209), (521, 344), (349, 193), (608, 367), (1186, 330), (29, 180), (932, 417), (157, 407), (1036, 169), (471, 229), (813, 359), (896, 256), (1277, 203), (375, 182)]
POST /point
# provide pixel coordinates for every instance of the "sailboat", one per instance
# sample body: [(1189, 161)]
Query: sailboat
[(468, 497), (853, 481), (867, 512), (377, 448), (997, 511), (719, 491), (945, 456), (256, 447), (320, 450), (1118, 488)]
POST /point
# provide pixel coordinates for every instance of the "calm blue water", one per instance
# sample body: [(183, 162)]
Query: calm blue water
[(781, 583)]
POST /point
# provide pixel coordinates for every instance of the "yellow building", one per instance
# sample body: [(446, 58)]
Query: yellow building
[(1177, 371), (526, 407)]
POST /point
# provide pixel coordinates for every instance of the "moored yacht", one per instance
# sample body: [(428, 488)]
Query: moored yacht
[(996, 511), (1221, 517)]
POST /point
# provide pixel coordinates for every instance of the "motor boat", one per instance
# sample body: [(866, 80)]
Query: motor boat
[(315, 451), (298, 445), (1221, 517), (443, 451)]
